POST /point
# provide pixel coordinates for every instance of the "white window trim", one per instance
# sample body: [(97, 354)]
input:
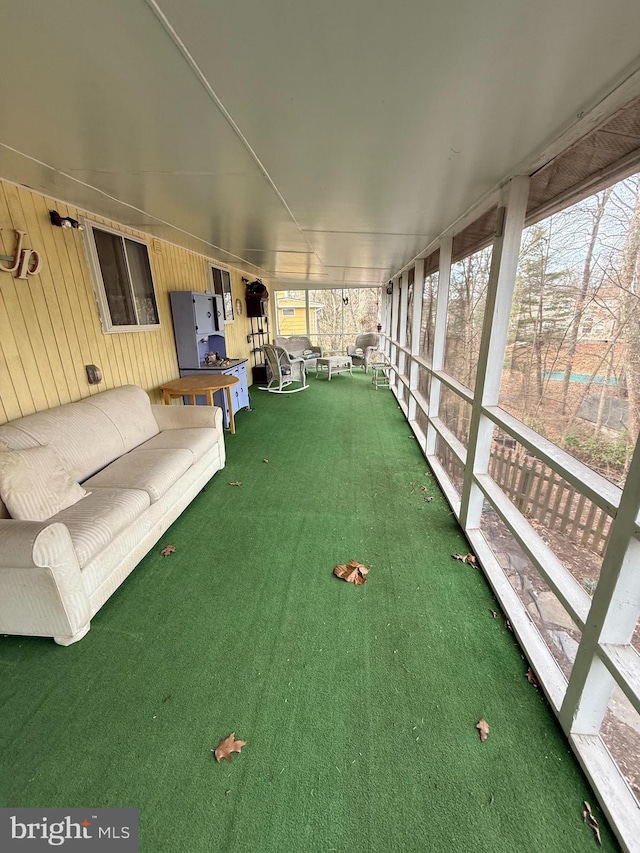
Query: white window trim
[(213, 266), (98, 283)]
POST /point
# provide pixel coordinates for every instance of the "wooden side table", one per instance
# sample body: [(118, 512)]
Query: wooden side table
[(205, 384)]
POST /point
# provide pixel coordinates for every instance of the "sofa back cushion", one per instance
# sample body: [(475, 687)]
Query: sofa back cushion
[(294, 344), (89, 434), (129, 410)]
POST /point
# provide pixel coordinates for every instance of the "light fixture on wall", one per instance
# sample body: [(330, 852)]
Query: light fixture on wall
[(94, 374), (64, 221)]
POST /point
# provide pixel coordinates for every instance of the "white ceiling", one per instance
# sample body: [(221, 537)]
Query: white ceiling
[(312, 144)]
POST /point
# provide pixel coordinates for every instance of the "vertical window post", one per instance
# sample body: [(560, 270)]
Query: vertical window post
[(395, 308), (439, 336), (402, 332), (495, 330), (416, 319), (612, 617)]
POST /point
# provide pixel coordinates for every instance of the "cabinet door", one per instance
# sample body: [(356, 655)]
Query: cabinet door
[(204, 309), (242, 390)]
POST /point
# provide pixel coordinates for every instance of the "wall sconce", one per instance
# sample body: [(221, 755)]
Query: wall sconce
[(64, 221), (94, 374)]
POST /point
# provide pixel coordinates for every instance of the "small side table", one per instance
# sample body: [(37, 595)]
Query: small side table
[(334, 364), (206, 384)]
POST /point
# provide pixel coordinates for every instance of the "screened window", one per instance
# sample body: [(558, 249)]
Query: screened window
[(122, 276), (222, 286), (288, 312), (571, 370)]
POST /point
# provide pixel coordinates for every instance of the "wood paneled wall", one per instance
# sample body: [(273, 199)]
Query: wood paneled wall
[(50, 325)]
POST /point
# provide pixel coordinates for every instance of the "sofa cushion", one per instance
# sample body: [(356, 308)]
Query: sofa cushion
[(196, 439), (34, 485), (129, 410), (95, 521), (84, 438), (153, 471)]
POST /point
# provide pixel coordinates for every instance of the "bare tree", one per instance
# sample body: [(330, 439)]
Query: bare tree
[(598, 213), (630, 309)]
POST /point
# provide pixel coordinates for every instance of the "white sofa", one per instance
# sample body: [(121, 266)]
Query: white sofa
[(142, 465)]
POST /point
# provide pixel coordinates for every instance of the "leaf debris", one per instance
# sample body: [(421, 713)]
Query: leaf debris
[(226, 746), (235, 483), (465, 558), (531, 678), (483, 728), (591, 822), (265, 460), (428, 499), (352, 572), (494, 613), (168, 549)]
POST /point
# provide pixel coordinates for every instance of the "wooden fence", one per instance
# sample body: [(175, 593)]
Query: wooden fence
[(540, 493)]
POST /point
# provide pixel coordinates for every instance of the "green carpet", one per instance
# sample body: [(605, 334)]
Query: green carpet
[(359, 704)]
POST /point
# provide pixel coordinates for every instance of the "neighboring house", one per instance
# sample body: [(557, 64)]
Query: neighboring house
[(292, 318)]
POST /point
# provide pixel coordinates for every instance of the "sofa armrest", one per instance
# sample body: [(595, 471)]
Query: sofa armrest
[(187, 417), (31, 544), (41, 587)]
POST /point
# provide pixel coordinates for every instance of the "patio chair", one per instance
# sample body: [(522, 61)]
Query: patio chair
[(282, 371), (360, 351)]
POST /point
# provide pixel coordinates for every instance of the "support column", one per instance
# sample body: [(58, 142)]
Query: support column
[(402, 333), (395, 308), (495, 331), (306, 313), (613, 615), (439, 337), (416, 321)]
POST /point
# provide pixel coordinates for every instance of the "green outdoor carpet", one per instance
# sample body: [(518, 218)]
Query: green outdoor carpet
[(358, 703)]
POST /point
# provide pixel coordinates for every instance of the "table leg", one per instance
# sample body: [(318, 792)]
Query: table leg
[(232, 423), (209, 397), (166, 398)]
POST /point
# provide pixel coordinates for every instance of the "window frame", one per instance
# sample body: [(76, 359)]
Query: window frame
[(102, 301), (221, 269)]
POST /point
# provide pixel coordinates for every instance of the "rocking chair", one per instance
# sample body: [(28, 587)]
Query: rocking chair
[(282, 371)]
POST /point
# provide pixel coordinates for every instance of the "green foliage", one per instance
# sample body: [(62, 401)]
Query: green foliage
[(598, 450), (537, 425)]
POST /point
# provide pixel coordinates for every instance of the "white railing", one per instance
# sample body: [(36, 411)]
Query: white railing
[(579, 691)]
